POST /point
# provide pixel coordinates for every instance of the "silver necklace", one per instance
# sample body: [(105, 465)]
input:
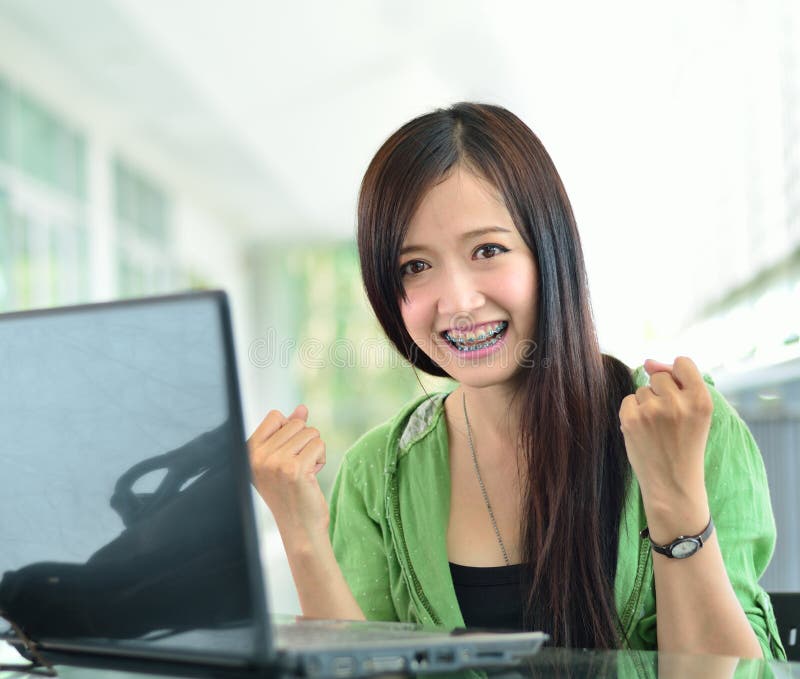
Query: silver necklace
[(480, 481)]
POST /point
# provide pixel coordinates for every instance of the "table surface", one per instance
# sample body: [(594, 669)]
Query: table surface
[(563, 663)]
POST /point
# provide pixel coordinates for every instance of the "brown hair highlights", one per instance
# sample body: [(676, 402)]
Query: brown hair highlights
[(577, 467)]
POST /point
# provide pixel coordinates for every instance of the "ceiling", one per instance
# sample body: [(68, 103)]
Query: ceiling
[(280, 105)]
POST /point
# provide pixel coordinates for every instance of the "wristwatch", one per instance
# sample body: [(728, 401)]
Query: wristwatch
[(683, 546)]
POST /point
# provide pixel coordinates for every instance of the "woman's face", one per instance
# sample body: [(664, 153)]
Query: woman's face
[(471, 282)]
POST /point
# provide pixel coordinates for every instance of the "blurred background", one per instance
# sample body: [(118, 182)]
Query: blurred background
[(154, 146)]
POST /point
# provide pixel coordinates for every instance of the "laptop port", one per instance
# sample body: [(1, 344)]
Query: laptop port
[(344, 666), (386, 663), (420, 660), (446, 656)]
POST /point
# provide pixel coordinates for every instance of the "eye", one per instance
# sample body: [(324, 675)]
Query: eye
[(490, 250), (414, 267)]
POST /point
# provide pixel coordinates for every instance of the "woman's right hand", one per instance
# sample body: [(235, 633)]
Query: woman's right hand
[(285, 456)]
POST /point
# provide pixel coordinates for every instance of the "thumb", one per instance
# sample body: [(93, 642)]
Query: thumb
[(652, 366), (299, 413)]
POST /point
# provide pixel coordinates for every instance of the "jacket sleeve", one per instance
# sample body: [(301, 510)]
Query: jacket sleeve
[(357, 536), (740, 504), (739, 499)]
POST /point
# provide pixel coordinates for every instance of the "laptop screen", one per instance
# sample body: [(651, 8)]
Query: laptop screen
[(125, 501)]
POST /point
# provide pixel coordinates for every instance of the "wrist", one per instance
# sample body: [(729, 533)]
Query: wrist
[(683, 546), (306, 547), (666, 520)]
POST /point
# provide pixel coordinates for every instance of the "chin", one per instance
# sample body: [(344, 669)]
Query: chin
[(480, 378)]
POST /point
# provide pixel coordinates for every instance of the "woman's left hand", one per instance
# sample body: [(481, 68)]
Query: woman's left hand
[(665, 426)]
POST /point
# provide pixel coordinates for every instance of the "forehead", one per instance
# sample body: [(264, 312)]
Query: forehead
[(461, 202)]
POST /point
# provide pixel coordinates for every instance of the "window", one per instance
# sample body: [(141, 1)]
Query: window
[(43, 241), (141, 208), (35, 141)]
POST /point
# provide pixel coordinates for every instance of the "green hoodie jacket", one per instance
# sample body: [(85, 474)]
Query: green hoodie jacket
[(390, 505)]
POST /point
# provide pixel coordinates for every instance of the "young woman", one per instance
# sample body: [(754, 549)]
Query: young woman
[(521, 497)]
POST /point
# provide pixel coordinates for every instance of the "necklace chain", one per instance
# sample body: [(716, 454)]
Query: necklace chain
[(480, 482)]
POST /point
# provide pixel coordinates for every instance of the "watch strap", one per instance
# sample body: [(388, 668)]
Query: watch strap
[(667, 550)]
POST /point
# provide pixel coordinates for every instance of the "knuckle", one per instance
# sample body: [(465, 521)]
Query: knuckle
[(289, 471), (295, 426), (272, 464), (626, 408), (672, 408), (673, 414), (704, 405), (628, 418), (647, 414)]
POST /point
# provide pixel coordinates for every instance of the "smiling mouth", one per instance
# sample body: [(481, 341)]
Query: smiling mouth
[(471, 341)]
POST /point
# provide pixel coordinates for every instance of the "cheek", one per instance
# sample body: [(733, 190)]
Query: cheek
[(416, 315), (520, 290), (524, 291)]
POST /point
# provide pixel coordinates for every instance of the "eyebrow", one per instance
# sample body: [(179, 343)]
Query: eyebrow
[(469, 235)]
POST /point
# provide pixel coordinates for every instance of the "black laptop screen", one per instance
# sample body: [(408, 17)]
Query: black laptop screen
[(124, 485)]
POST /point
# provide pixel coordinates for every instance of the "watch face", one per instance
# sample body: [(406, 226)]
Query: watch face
[(684, 548)]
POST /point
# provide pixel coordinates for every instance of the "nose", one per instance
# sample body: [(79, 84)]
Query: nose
[(459, 294)]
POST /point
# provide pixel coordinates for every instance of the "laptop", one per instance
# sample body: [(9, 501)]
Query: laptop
[(128, 532)]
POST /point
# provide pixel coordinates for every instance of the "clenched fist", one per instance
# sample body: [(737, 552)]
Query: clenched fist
[(285, 456), (665, 426)]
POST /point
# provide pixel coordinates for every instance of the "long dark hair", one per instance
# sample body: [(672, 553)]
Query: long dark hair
[(577, 467)]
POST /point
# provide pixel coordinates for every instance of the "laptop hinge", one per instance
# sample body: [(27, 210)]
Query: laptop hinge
[(38, 664)]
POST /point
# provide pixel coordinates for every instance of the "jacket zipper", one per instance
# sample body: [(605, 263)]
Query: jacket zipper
[(401, 541), (633, 601)]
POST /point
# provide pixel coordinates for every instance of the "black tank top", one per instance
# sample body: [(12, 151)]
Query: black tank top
[(489, 597)]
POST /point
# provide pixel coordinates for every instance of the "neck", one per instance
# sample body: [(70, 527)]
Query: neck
[(493, 415)]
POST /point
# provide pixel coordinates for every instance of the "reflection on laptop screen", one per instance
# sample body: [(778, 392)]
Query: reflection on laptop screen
[(123, 479)]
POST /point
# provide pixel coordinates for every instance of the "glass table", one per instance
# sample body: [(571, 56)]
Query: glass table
[(563, 663)]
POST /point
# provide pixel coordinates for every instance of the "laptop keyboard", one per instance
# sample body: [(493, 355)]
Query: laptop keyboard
[(334, 632)]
